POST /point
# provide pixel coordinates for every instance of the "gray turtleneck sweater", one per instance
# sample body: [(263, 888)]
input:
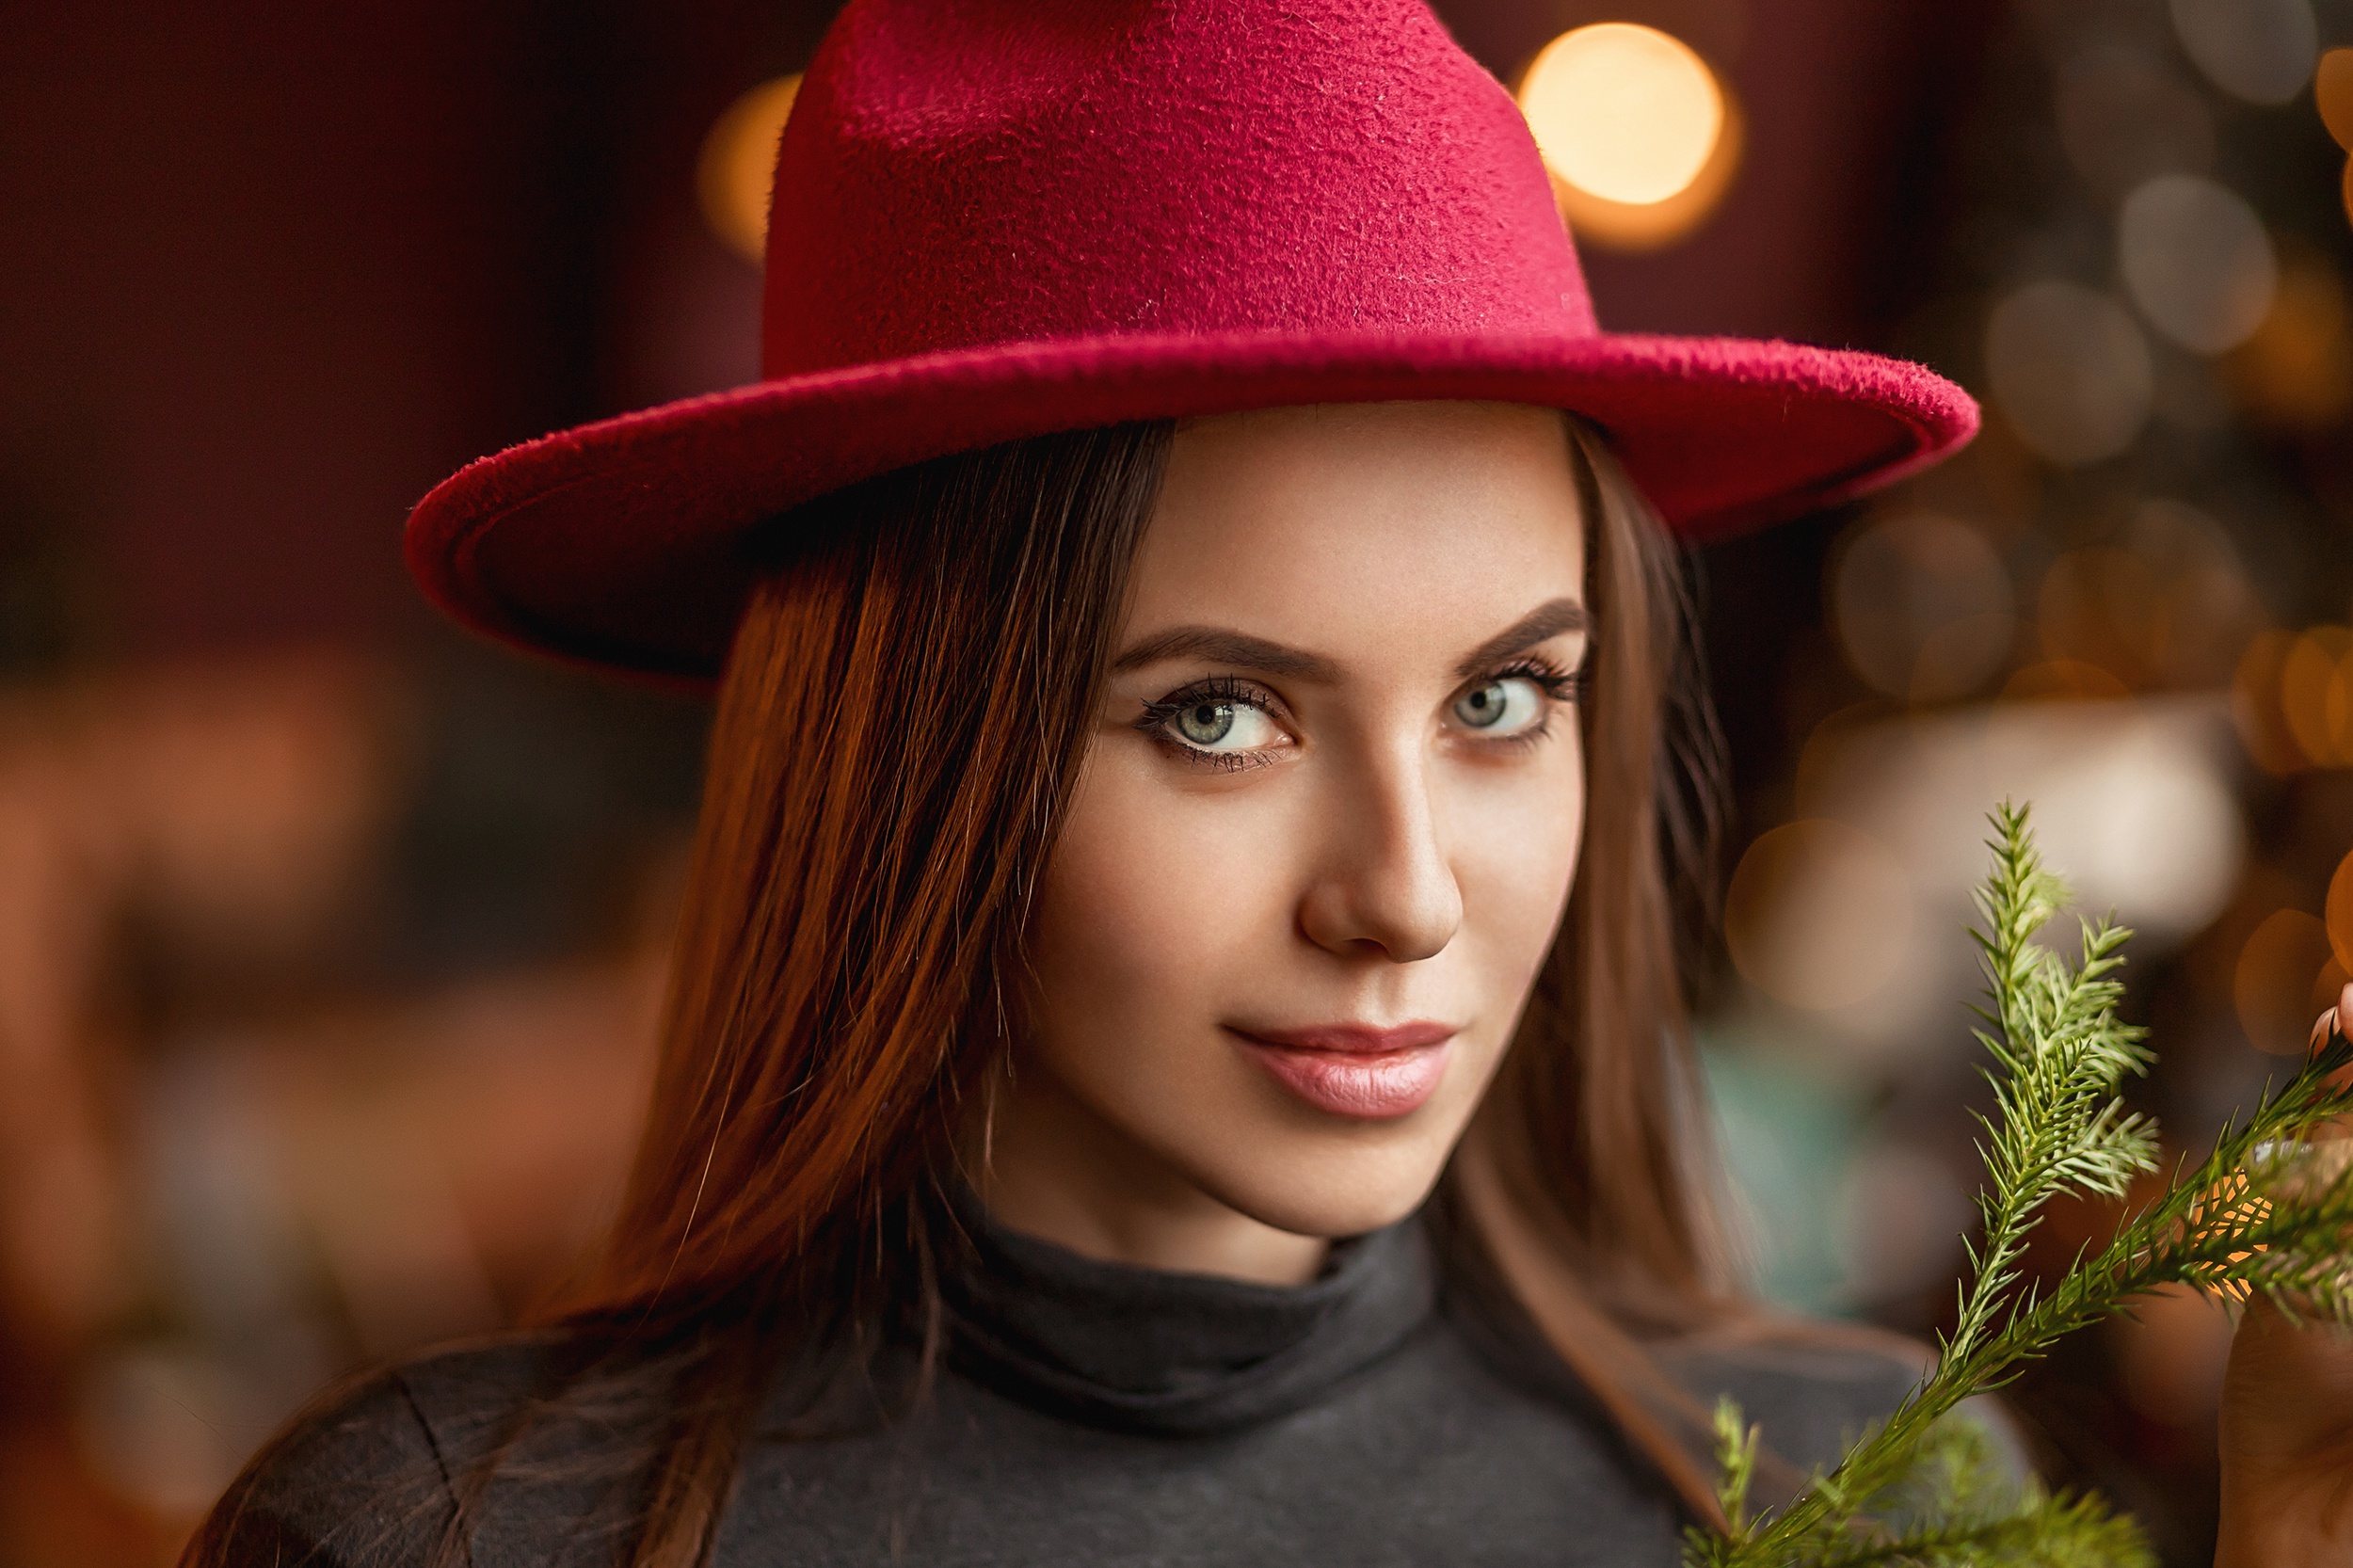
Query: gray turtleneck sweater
[(1117, 1417)]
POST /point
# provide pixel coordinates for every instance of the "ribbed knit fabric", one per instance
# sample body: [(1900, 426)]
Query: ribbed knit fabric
[(1176, 1356)]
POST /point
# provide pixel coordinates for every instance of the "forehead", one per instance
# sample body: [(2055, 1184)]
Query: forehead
[(1336, 522)]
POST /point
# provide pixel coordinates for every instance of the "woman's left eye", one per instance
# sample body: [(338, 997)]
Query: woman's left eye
[(1509, 705)]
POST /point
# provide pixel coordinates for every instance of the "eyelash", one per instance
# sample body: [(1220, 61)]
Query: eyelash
[(1560, 685), (1557, 683)]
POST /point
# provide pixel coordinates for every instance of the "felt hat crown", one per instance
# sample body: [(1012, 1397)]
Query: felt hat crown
[(999, 218)]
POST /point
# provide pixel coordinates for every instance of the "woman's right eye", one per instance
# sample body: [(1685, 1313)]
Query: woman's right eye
[(1221, 726), (1218, 720)]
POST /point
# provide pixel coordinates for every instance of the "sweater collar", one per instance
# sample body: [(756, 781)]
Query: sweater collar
[(1147, 1351)]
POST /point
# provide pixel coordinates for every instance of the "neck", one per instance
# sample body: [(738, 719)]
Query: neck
[(1045, 1165)]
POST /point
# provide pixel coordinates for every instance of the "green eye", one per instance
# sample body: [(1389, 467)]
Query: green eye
[(1506, 706), (1217, 724), (1482, 706), (1205, 723)]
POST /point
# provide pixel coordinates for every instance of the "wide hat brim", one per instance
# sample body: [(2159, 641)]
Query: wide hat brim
[(624, 544)]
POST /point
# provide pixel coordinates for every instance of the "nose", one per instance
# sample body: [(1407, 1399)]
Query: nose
[(1383, 883)]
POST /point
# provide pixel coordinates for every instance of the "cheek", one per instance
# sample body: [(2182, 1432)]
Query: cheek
[(1150, 902), (1516, 856)]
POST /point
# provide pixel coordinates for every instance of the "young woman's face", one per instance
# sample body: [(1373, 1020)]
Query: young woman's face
[(1325, 831)]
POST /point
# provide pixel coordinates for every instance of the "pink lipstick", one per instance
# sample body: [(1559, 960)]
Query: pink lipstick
[(1353, 1070)]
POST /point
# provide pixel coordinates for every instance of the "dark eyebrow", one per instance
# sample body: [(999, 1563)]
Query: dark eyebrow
[(1552, 618), (1220, 647)]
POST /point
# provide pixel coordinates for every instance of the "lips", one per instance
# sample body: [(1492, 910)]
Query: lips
[(1354, 1070)]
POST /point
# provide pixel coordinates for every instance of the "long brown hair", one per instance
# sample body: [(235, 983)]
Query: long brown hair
[(897, 733)]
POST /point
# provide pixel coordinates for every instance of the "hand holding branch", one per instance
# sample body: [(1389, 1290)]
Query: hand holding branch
[(2287, 1416)]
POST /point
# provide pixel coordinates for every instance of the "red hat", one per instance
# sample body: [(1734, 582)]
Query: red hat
[(1000, 218)]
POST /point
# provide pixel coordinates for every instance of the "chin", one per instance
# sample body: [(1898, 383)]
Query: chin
[(1327, 1192)]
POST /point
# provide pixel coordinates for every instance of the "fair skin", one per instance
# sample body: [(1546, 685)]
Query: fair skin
[(1358, 804)]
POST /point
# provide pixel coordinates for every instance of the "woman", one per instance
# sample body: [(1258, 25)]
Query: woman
[(1175, 1052)]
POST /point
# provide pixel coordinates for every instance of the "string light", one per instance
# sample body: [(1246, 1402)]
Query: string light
[(739, 164), (1642, 138)]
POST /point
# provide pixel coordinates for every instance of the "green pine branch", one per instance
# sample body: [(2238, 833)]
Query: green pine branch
[(2267, 1210)]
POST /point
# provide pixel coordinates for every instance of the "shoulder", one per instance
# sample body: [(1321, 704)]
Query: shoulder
[(370, 1474), (1816, 1388)]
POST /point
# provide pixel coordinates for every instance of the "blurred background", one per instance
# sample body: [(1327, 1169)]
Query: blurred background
[(331, 939)]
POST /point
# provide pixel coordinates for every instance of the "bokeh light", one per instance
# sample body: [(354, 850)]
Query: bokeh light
[(2166, 603), (739, 164), (1640, 136), (2197, 262), (2281, 974), (2203, 606), (2295, 372), (1839, 914), (2125, 115), (2256, 709), (2087, 605), (2259, 49), (1923, 606), (2133, 800), (2336, 705), (2339, 910), (1820, 915), (2063, 680), (2332, 92), (2308, 676), (1625, 112), (2293, 699), (2070, 369)]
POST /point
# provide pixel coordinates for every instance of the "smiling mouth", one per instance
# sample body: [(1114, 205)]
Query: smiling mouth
[(1354, 1070)]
